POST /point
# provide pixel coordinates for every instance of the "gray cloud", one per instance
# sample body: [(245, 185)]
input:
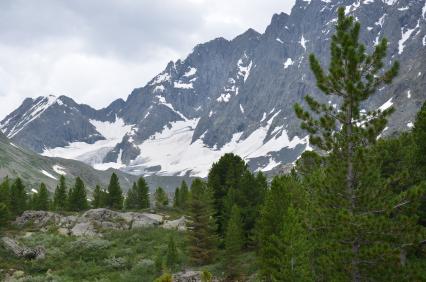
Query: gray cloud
[(98, 50)]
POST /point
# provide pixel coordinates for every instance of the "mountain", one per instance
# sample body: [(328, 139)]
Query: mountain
[(34, 169), (229, 96)]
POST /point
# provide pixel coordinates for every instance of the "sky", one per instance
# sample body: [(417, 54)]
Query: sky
[(96, 51)]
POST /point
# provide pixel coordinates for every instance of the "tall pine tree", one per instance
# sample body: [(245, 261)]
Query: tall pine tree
[(60, 196), (234, 241), (18, 197), (201, 226), (77, 199), (115, 194), (41, 201), (362, 228)]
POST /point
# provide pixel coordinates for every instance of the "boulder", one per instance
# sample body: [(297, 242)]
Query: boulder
[(22, 251), (141, 220), (189, 276), (38, 218), (84, 229), (178, 224)]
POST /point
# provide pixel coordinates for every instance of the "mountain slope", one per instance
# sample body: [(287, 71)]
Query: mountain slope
[(229, 96)]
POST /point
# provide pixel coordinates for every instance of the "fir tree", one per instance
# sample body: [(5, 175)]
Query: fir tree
[(224, 175), (41, 201), (5, 192), (362, 227), (115, 194), (201, 226), (98, 197), (161, 199), (4, 215), (77, 196), (60, 196), (18, 197), (176, 198), (131, 198), (183, 195), (234, 241), (142, 194), (284, 191)]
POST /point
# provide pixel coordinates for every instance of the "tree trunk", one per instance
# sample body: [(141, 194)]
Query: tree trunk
[(356, 277)]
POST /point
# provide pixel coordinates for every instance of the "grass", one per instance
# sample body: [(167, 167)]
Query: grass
[(117, 256)]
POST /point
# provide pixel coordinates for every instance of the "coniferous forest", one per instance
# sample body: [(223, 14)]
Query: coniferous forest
[(353, 209)]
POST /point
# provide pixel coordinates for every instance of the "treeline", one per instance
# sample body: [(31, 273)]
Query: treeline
[(15, 199)]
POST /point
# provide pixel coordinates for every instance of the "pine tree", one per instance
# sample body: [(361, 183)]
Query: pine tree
[(172, 257), (161, 199), (183, 195), (224, 175), (290, 250), (98, 198), (176, 198), (5, 192), (131, 198), (201, 226), (41, 201), (143, 194), (362, 228), (115, 194), (234, 241), (4, 215), (60, 196), (77, 196), (284, 191), (18, 197)]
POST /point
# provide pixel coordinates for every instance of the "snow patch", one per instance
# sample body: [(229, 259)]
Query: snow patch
[(191, 72), (410, 125), (409, 94), (404, 37), (303, 42), (48, 174), (288, 63), (182, 85), (224, 98), (241, 109), (386, 105), (280, 41), (59, 169)]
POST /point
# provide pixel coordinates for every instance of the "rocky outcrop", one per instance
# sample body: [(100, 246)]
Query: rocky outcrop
[(178, 224), (190, 276), (23, 251), (92, 222)]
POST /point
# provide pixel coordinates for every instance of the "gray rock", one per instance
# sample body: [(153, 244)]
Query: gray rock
[(177, 224), (84, 229), (22, 251), (189, 276), (38, 218)]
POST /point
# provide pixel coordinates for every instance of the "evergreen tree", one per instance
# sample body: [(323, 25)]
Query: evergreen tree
[(77, 196), (5, 192), (284, 191), (224, 175), (234, 241), (60, 196), (201, 225), (362, 231), (41, 201), (18, 197), (115, 194), (98, 197), (131, 201), (290, 250), (183, 195), (4, 215), (161, 199), (172, 257), (143, 194), (176, 198)]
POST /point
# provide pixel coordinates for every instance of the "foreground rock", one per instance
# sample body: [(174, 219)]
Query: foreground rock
[(22, 251), (189, 276), (93, 221)]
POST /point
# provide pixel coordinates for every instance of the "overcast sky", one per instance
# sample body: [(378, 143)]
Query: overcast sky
[(96, 51)]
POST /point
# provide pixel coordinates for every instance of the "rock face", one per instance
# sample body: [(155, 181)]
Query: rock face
[(230, 96), (22, 251), (92, 222)]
